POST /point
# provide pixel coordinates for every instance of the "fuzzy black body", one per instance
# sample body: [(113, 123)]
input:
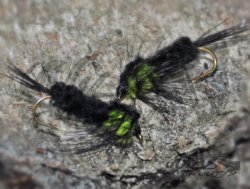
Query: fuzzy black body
[(180, 52), (89, 108), (165, 63), (112, 122), (72, 100)]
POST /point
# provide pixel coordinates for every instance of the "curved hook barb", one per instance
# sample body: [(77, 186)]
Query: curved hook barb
[(209, 71), (34, 108)]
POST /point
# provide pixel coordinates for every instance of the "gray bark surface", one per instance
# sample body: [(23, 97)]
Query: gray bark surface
[(87, 43)]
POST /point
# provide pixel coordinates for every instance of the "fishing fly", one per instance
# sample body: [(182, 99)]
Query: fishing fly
[(111, 122), (164, 72)]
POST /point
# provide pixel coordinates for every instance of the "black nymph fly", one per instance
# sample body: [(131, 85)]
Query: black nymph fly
[(154, 74), (113, 122)]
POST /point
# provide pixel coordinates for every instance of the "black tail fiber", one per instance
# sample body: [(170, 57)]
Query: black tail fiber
[(17, 75), (229, 32)]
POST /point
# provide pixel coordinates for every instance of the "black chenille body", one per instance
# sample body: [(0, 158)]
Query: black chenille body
[(71, 100), (162, 64), (118, 122), (153, 74)]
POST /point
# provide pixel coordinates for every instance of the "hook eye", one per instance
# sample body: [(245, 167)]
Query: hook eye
[(34, 108), (140, 138), (210, 71)]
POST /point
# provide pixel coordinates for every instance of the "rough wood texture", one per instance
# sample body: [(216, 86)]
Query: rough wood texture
[(87, 43)]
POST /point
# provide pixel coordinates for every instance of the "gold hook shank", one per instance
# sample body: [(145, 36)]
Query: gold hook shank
[(212, 69), (34, 108)]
